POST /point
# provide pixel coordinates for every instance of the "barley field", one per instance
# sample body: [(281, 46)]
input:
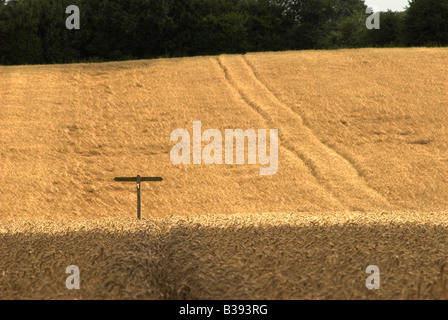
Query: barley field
[(362, 177)]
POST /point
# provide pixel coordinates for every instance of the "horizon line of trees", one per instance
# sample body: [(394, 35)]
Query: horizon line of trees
[(34, 32)]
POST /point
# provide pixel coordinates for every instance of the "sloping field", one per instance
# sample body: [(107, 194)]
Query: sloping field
[(362, 177)]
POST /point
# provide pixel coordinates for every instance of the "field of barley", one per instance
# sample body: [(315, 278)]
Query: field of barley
[(362, 178)]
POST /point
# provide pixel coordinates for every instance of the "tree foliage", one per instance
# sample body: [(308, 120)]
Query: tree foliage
[(33, 31), (426, 23)]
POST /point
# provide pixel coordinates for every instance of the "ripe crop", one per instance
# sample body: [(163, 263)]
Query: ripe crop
[(361, 179)]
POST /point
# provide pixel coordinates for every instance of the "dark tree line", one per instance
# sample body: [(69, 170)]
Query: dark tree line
[(34, 32)]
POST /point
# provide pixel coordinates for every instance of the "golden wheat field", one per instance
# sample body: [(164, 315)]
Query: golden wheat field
[(362, 177)]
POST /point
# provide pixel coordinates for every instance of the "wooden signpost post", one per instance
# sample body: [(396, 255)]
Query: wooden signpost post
[(138, 179)]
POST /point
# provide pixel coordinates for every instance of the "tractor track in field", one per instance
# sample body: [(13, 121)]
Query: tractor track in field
[(337, 174), (285, 145)]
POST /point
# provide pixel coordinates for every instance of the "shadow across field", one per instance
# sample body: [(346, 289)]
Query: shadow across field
[(188, 260)]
